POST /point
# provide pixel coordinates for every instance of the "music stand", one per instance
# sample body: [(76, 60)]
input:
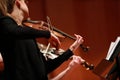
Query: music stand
[(102, 68)]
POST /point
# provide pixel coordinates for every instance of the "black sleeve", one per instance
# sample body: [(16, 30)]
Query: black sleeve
[(8, 27), (52, 64)]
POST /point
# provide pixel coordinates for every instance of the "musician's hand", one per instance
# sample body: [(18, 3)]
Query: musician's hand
[(76, 44), (54, 41), (75, 60)]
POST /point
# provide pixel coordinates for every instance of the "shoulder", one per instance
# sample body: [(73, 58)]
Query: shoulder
[(6, 19), (7, 22)]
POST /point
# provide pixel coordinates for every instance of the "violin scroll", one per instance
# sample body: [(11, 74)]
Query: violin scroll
[(84, 48), (87, 65)]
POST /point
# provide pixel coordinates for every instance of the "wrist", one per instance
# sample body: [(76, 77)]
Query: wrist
[(68, 68), (72, 48)]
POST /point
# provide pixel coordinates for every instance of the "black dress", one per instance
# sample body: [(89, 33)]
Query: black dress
[(21, 55)]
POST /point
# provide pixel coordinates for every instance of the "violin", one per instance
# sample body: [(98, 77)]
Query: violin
[(45, 26)]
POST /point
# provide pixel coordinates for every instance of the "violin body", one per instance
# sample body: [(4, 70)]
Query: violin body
[(40, 25)]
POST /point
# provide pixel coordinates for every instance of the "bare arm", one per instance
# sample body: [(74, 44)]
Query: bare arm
[(75, 60), (61, 75)]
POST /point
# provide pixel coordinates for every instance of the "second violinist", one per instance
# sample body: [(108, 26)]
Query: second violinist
[(21, 56)]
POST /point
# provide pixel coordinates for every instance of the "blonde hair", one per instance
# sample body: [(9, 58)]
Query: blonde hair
[(3, 7)]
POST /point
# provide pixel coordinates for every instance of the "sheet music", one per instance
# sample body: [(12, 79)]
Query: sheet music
[(1, 57), (108, 54), (112, 48)]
